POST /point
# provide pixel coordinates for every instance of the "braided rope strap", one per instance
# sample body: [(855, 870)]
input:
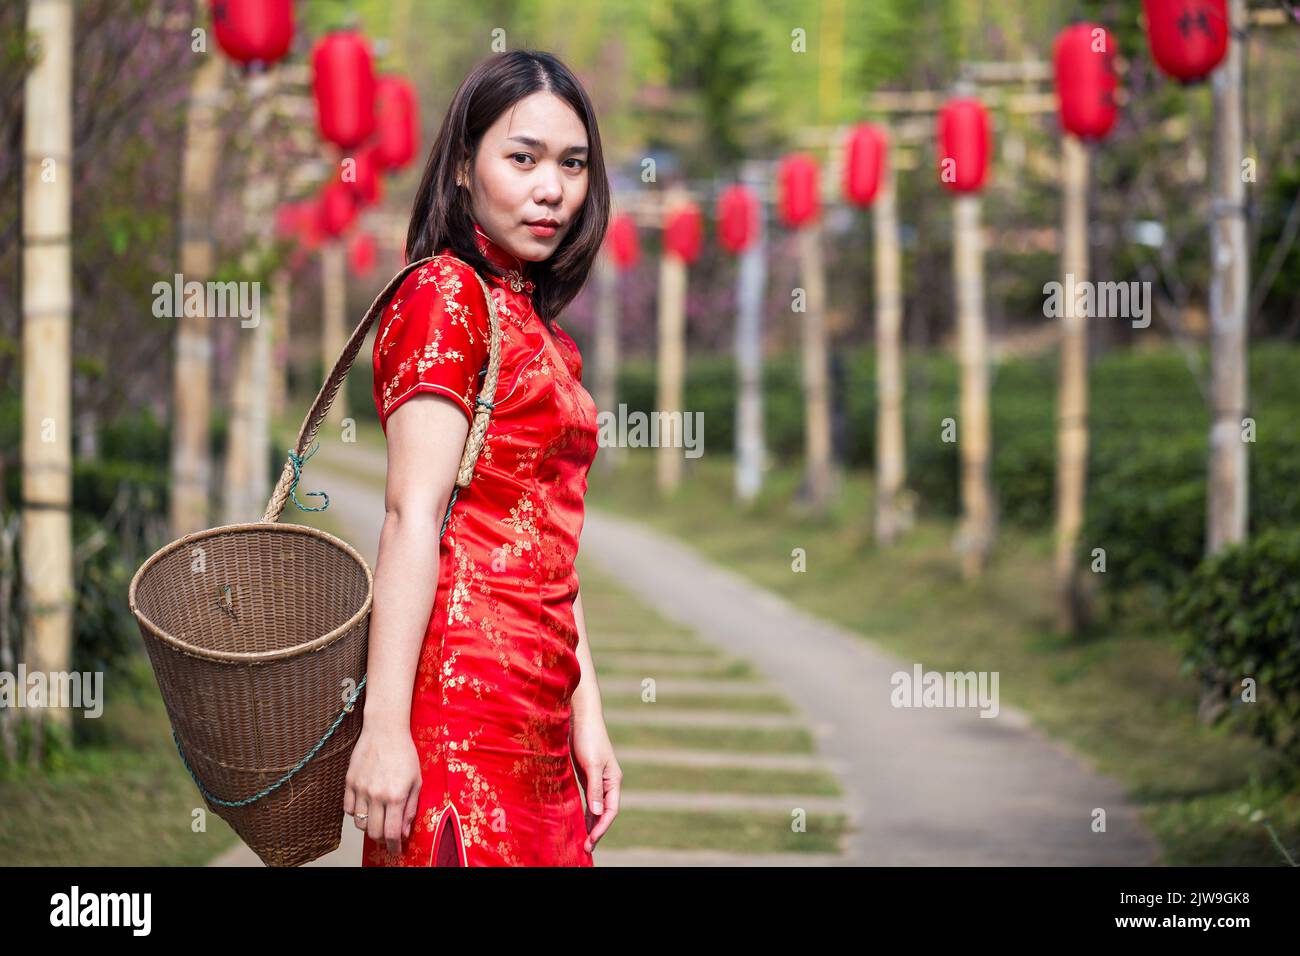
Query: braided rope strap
[(289, 478), (329, 389)]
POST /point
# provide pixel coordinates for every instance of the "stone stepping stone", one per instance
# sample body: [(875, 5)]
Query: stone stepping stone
[(649, 714)]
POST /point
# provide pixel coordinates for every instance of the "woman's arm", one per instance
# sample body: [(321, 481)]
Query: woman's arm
[(426, 438), (592, 750), (586, 696)]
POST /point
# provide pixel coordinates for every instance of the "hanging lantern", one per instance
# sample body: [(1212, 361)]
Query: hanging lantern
[(362, 253), (1188, 38), (366, 184), (338, 207), (622, 239), (395, 122), (799, 190), (312, 224), (737, 218), (683, 232), (965, 141), (309, 230), (343, 81), (864, 163), (1084, 60), (289, 220), (253, 31)]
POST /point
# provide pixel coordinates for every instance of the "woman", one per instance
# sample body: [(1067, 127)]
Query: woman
[(467, 753)]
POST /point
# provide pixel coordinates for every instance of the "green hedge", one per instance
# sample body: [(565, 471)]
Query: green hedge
[(1241, 613), (1147, 452)]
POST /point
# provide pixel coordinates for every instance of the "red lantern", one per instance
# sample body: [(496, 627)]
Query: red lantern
[(866, 154), (1188, 38), (289, 220), (361, 253), (1084, 59), (308, 229), (343, 81), (312, 232), (338, 207), (395, 122), (737, 218), (965, 141), (366, 183), (683, 232), (622, 240), (253, 31), (799, 190)]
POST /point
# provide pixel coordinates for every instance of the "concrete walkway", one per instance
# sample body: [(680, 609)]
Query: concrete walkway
[(924, 786), (931, 786)]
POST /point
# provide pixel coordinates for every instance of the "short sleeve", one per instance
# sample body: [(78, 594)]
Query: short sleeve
[(433, 338)]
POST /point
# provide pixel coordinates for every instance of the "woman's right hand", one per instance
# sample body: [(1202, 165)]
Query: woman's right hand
[(384, 782)]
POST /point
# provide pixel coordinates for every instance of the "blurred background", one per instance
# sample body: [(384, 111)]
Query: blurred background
[(836, 228)]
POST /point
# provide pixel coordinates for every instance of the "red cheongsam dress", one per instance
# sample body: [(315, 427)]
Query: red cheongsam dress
[(490, 712)]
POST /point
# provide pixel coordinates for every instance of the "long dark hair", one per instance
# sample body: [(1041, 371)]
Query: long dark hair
[(441, 216)]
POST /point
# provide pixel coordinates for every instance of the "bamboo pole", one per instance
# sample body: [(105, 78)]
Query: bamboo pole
[(46, 350), (191, 465), (892, 515), (975, 539), (1072, 395), (281, 309), (605, 379), (816, 390), (1229, 290), (751, 282), (333, 316), (671, 368), (248, 480)]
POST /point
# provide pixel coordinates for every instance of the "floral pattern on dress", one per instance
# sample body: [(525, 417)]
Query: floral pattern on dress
[(491, 706)]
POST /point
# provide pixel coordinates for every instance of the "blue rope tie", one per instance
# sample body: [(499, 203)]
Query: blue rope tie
[(297, 473), (455, 490), (347, 709)]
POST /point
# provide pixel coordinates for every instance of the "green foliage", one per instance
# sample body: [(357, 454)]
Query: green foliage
[(119, 512), (1241, 609), (712, 56), (1147, 449)]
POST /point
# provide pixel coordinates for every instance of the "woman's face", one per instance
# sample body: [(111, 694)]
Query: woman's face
[(531, 167)]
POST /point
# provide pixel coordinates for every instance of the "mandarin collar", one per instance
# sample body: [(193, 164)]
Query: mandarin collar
[(514, 267)]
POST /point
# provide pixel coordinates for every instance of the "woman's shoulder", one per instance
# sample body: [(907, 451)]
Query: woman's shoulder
[(439, 299), (449, 277)]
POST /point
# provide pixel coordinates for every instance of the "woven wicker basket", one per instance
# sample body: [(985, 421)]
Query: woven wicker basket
[(258, 635)]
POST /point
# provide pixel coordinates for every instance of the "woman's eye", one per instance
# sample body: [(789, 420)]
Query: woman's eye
[(525, 155), (581, 163)]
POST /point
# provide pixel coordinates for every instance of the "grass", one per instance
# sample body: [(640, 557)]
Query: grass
[(664, 776), (709, 830), (738, 739), (1119, 700), (745, 703), (125, 800)]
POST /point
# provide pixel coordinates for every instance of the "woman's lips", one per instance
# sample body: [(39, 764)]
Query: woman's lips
[(541, 230)]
